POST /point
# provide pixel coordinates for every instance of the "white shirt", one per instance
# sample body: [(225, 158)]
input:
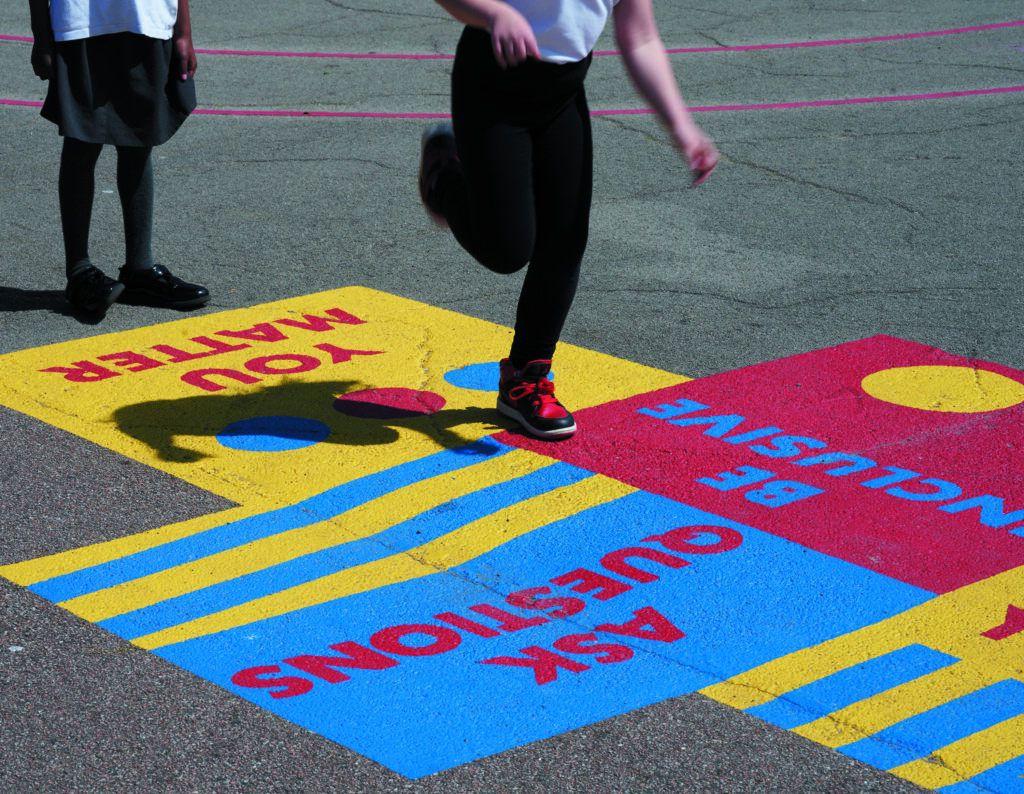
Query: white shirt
[(82, 19), (566, 30)]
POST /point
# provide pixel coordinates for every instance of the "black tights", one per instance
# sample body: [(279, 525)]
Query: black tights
[(524, 189), (76, 186)]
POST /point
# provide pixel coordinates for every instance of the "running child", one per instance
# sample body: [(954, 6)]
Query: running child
[(120, 73), (512, 176)]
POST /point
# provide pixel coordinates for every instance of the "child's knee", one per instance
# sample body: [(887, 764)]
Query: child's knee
[(504, 264), (81, 151), (506, 248), (134, 153)]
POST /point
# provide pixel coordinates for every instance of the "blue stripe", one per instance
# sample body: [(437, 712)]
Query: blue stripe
[(317, 508), (425, 527), (845, 687), (1008, 778), (927, 733)]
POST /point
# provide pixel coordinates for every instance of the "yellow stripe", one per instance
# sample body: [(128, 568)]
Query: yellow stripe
[(871, 715), (968, 757), (39, 570), (360, 522), (775, 678), (951, 623), (455, 548)]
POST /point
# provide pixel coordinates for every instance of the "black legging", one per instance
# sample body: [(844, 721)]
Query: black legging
[(135, 189), (523, 195)]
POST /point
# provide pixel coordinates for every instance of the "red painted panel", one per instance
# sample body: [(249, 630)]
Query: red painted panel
[(658, 442)]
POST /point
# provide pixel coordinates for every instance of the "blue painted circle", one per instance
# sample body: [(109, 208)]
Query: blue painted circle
[(273, 434), (479, 377)]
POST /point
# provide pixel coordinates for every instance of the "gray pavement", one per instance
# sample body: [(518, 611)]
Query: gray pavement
[(822, 225)]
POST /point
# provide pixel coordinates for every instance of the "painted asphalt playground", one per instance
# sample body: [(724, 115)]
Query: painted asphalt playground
[(284, 544)]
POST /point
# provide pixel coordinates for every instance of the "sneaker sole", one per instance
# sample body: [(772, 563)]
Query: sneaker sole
[(562, 432)]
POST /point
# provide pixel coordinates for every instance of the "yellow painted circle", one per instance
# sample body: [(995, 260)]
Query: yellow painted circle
[(962, 390)]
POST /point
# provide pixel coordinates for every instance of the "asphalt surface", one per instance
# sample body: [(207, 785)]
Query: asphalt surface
[(824, 223)]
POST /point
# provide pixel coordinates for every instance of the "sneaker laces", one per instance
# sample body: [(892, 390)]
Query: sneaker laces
[(543, 390)]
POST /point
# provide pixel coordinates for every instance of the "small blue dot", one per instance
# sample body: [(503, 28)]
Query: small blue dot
[(273, 434)]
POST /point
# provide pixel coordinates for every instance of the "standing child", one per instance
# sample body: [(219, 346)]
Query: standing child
[(512, 177), (121, 73)]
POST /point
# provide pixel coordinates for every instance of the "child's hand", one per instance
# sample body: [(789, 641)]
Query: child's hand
[(512, 38), (43, 52), (700, 153), (183, 61)]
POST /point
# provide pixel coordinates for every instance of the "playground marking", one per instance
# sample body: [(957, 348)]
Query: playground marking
[(676, 50), (832, 542)]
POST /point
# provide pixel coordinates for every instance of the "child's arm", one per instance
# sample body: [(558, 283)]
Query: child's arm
[(511, 35), (184, 52), (42, 34), (651, 71)]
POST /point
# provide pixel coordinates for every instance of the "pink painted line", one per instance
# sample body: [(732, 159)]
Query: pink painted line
[(828, 102), (740, 48), (352, 55), (346, 114), (621, 112), (276, 54), (624, 112), (311, 113), (835, 42)]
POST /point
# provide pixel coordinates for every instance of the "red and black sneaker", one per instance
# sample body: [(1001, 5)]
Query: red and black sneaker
[(437, 152), (527, 396)]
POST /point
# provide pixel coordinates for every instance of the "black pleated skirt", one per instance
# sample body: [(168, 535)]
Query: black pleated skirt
[(117, 89)]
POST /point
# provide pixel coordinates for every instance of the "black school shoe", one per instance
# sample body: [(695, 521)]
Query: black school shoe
[(155, 286), (91, 291)]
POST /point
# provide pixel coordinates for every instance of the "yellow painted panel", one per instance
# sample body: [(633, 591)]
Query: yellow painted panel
[(141, 392)]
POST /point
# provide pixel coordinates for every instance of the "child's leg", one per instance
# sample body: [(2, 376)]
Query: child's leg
[(88, 288), (522, 191), (562, 155), (76, 186), (561, 171), (521, 194), (135, 188), (563, 186), (489, 205), (488, 200), (146, 282)]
